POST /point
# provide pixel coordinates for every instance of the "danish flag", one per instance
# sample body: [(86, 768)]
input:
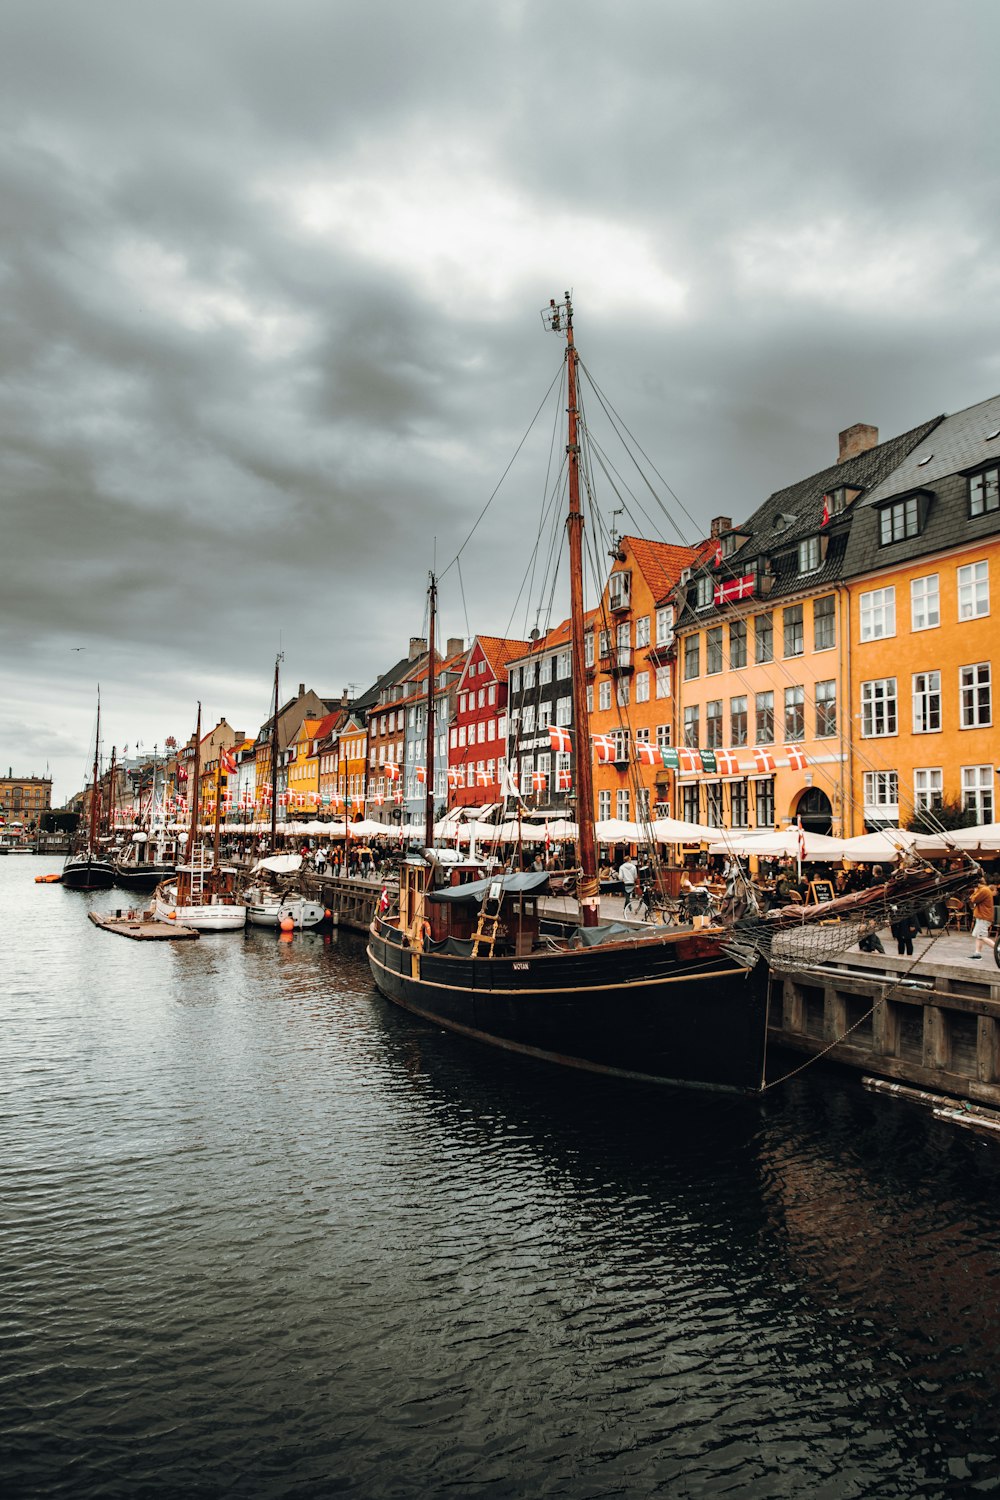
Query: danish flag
[(735, 588), (604, 748), (796, 757), (421, 774), (646, 755), (391, 770), (539, 781), (564, 781), (227, 760), (482, 779), (454, 776), (763, 760), (825, 518), (559, 739), (726, 763), (689, 760)]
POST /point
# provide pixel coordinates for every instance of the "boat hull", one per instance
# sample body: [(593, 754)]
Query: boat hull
[(142, 877), (88, 874), (673, 1011), (303, 913)]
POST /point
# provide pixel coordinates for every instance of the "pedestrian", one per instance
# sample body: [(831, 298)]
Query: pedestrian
[(903, 930), (628, 874), (982, 912)]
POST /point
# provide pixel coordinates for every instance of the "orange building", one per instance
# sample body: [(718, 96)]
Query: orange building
[(628, 657), (924, 569)]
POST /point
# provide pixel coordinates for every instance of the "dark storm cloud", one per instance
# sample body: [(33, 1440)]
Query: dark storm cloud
[(270, 276)]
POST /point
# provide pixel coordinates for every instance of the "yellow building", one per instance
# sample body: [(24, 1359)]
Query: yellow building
[(23, 799)]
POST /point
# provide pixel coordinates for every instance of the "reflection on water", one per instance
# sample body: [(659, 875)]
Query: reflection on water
[(264, 1234)]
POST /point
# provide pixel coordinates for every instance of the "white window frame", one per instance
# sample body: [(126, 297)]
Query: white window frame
[(973, 680), (925, 602), (877, 614), (879, 708), (974, 590), (928, 788), (926, 702), (977, 792)]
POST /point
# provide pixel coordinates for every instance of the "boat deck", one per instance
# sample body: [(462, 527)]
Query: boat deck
[(140, 925)]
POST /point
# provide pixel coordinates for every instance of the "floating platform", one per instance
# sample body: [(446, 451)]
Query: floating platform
[(140, 925)]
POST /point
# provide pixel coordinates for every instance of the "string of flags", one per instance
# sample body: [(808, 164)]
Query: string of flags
[(689, 760)]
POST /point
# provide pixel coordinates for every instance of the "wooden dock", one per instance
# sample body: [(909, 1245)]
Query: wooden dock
[(140, 925)]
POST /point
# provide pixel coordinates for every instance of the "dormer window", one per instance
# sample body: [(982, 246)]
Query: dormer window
[(810, 554), (704, 591), (731, 543), (901, 519), (984, 492)]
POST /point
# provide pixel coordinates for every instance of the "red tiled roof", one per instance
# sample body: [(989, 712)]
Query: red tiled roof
[(660, 562), (499, 650)]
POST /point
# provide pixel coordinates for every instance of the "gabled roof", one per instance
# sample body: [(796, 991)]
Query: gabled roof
[(499, 650), (395, 675), (660, 563), (964, 441)]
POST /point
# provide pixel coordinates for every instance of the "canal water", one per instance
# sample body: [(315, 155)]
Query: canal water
[(263, 1235)]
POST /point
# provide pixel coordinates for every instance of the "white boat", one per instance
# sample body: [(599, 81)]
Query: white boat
[(268, 905), (201, 894)]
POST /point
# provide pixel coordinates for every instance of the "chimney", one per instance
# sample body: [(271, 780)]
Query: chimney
[(418, 645), (302, 689), (456, 643), (345, 699), (855, 440), (719, 525)]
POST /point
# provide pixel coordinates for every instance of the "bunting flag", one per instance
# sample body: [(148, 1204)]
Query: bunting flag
[(397, 796), (763, 760), (689, 760), (604, 748), (735, 588), (391, 770), (796, 757), (559, 739), (717, 555), (646, 755), (379, 798), (825, 518), (670, 760), (454, 776), (564, 781), (539, 781), (422, 774), (482, 778), (726, 763), (709, 761), (357, 802), (227, 760)]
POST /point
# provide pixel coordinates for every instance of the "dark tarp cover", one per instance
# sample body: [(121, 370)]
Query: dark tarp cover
[(610, 932), (517, 883)]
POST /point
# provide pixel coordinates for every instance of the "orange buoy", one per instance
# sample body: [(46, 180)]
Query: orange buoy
[(287, 924)]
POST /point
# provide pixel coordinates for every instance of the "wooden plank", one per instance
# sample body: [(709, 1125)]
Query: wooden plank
[(141, 928)]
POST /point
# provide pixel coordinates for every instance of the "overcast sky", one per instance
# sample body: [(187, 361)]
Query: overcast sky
[(271, 275)]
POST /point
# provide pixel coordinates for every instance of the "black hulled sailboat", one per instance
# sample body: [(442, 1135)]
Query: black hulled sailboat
[(87, 868)]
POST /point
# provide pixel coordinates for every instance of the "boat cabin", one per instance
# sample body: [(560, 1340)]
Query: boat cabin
[(461, 909)]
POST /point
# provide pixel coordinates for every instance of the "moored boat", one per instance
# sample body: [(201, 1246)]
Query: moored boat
[(88, 867)]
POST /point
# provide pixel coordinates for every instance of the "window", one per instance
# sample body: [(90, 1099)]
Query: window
[(977, 792), (564, 711), (663, 682), (899, 520), (588, 649), (491, 693), (665, 625), (604, 694), (692, 656), (527, 771), (974, 591), (739, 804), (928, 788), (590, 698), (765, 801), (738, 721), (713, 724), (824, 623), (642, 687), (794, 635), (691, 717), (795, 715), (713, 804), (826, 709), (619, 590), (621, 694), (502, 727), (926, 702), (463, 699), (878, 707), (878, 614), (642, 631), (713, 649), (528, 719), (763, 634), (543, 762), (564, 660), (461, 734), (622, 800), (925, 602), (984, 492), (690, 811), (704, 591), (642, 804), (515, 686), (528, 675), (603, 806), (881, 793), (738, 644), (765, 718), (810, 554), (545, 669), (976, 695), (663, 736), (623, 636), (480, 699)]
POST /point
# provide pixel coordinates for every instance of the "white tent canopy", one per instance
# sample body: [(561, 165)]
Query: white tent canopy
[(782, 842), (676, 831), (880, 847)]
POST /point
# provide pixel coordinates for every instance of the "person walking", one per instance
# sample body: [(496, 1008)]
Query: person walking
[(982, 913), (903, 930), (628, 874)]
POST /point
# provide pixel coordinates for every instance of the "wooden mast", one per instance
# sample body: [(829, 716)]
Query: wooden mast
[(588, 889), (93, 784), (111, 791), (274, 761), (195, 790), (429, 756)]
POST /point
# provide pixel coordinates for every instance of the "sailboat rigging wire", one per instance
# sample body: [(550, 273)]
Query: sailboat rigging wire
[(506, 471), (465, 607)]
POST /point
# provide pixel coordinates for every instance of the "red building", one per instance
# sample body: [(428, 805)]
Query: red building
[(477, 738)]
